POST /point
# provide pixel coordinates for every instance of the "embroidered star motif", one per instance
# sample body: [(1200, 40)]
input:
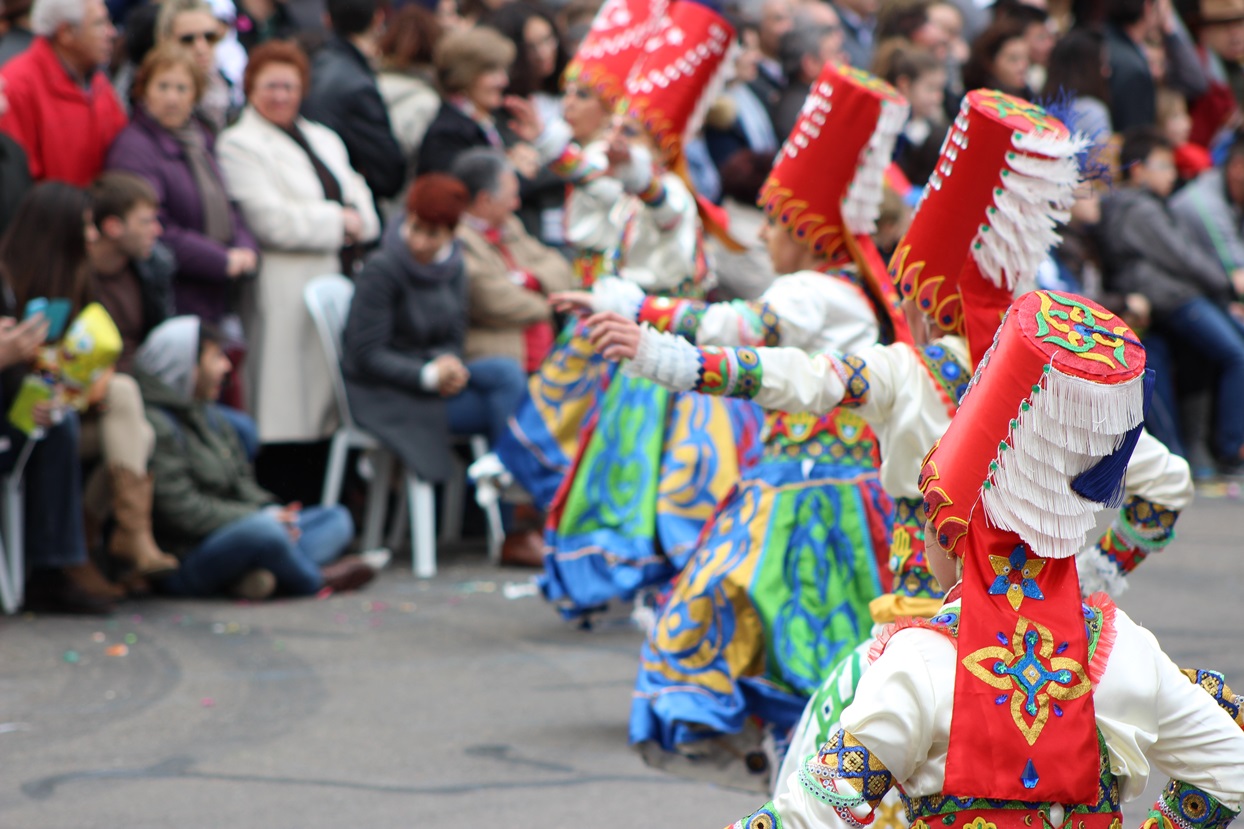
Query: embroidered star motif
[(1016, 577), (1030, 675)]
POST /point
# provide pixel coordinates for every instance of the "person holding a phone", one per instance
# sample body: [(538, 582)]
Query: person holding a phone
[(62, 577)]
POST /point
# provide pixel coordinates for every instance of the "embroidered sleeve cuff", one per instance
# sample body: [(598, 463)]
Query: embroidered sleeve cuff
[(666, 359), (676, 316), (845, 775), (1215, 684), (611, 293), (573, 165), (1146, 524), (853, 372), (766, 817), (553, 141), (1185, 807)]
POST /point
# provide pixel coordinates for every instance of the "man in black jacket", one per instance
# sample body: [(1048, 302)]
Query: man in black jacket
[(345, 98)]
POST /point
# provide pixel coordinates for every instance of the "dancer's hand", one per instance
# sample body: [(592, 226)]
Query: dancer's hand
[(579, 303), (614, 336)]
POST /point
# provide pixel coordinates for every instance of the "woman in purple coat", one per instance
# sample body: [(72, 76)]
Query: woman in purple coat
[(171, 149)]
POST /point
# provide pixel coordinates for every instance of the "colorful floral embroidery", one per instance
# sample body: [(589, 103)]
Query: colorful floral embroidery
[(678, 316), (654, 194), (730, 372), (1074, 326), (845, 774), (838, 437), (767, 817), (573, 166), (1182, 806), (1031, 674), (1016, 576), (853, 372), (949, 374), (1215, 684)]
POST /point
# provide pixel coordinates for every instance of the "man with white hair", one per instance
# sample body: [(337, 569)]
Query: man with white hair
[(62, 109)]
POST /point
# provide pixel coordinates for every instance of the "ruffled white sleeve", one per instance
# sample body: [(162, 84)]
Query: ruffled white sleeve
[(807, 310)]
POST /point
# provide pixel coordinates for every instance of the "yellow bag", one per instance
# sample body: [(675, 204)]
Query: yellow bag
[(91, 346)]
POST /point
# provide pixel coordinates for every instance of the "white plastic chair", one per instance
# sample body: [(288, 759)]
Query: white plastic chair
[(328, 301), (13, 533)]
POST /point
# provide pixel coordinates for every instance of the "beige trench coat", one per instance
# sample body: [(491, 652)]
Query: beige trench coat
[(300, 233)]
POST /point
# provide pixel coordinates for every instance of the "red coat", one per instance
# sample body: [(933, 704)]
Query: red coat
[(65, 130)]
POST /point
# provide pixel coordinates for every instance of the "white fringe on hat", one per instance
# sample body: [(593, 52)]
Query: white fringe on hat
[(1064, 427), (1034, 196), (862, 205)]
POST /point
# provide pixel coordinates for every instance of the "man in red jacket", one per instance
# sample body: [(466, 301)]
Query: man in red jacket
[(62, 109)]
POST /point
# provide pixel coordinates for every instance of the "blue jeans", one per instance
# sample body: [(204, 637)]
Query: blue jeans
[(1162, 419), (1218, 338), (55, 536), (244, 426), (492, 394), (260, 542), (496, 387)]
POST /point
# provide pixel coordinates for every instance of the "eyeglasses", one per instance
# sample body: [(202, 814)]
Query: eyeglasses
[(188, 39)]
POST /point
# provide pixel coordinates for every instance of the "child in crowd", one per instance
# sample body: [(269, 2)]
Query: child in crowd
[(920, 78), (1176, 126)]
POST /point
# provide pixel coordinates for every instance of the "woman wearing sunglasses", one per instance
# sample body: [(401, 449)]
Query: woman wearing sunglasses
[(192, 25)]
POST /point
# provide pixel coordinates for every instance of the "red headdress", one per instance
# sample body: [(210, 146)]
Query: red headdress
[(826, 185), (613, 44), (1039, 445), (678, 75), (1003, 183)]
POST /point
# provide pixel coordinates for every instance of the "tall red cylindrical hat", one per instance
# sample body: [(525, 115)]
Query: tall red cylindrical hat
[(1004, 181), (827, 180), (616, 39), (679, 74), (1058, 391)]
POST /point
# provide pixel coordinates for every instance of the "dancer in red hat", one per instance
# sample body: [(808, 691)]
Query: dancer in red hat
[(645, 468), (777, 590), (1014, 169), (1020, 704)]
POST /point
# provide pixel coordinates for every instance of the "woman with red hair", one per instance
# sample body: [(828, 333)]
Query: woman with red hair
[(402, 350)]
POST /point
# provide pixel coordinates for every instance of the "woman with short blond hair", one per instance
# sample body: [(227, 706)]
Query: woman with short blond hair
[(472, 70)]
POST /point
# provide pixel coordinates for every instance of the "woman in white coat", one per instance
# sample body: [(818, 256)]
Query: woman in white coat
[(293, 182)]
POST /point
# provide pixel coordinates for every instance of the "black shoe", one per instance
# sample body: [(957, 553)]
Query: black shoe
[(51, 591)]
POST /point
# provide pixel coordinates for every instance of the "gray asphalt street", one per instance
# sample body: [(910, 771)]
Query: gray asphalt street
[(411, 704)]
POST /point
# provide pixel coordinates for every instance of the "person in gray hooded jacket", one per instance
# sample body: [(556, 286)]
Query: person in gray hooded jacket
[(230, 534)]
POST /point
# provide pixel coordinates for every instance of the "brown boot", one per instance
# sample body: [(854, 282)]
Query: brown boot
[(523, 549), (131, 538), (347, 573), (87, 579)]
